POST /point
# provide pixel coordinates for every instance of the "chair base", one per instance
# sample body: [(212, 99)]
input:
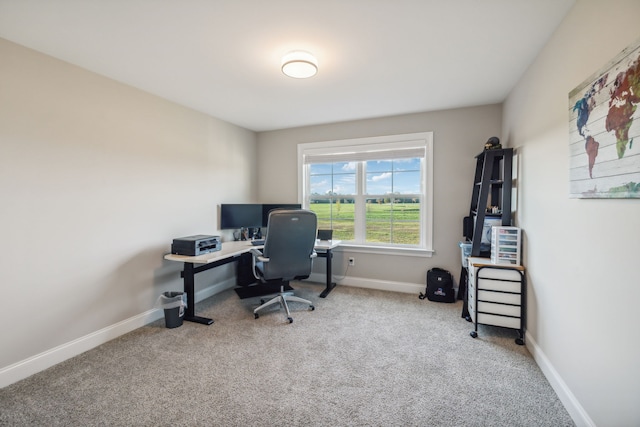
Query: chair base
[(282, 298)]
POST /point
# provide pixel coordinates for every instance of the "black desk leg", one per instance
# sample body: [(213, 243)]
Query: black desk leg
[(330, 283), (189, 289)]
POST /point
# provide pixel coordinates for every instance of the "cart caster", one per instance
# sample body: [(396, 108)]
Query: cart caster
[(256, 315), (519, 341), (473, 334), (468, 319), (290, 319), (311, 308)]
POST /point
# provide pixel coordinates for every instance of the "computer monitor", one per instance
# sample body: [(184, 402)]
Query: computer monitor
[(235, 216), (268, 208)]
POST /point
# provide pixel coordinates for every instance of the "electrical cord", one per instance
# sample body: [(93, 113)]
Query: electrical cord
[(334, 279)]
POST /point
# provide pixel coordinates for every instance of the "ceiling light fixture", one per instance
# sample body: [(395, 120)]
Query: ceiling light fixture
[(299, 64)]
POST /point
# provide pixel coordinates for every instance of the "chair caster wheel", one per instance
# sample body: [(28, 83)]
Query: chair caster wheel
[(290, 319), (519, 341), (311, 308), (473, 334), (256, 315)]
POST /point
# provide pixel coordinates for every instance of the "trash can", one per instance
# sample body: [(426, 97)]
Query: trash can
[(173, 306)]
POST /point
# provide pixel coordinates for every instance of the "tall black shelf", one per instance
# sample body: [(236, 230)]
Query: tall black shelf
[(491, 187)]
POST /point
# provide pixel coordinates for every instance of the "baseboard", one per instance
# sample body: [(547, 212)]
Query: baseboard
[(25, 368), (382, 285), (572, 405)]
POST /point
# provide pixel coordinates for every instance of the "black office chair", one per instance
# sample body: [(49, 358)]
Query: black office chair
[(287, 254)]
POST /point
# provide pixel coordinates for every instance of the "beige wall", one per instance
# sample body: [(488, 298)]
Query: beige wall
[(96, 180), (581, 255), (459, 135)]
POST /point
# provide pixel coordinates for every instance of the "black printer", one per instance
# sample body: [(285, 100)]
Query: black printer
[(196, 245)]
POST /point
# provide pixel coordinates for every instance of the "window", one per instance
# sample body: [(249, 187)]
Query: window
[(375, 193)]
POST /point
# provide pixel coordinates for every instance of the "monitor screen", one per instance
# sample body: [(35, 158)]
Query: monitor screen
[(268, 208), (234, 216)]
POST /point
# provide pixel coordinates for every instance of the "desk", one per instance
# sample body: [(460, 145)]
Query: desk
[(324, 249), (230, 252)]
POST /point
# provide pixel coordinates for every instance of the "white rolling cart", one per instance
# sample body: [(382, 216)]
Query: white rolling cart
[(496, 295)]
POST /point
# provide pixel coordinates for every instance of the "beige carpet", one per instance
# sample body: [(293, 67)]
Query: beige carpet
[(362, 358)]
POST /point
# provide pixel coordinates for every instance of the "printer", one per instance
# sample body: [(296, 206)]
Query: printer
[(196, 245)]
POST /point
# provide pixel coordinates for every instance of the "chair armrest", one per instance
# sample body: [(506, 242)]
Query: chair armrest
[(257, 254)]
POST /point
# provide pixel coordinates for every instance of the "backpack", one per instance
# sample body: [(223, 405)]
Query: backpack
[(439, 286)]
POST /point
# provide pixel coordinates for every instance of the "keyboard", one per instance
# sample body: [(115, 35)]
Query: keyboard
[(257, 242)]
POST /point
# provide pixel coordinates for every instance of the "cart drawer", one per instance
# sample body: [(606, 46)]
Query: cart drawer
[(507, 322), (502, 297), (499, 273), (499, 285), (507, 310)]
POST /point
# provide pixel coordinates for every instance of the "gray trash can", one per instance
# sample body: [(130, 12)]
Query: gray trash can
[(173, 306)]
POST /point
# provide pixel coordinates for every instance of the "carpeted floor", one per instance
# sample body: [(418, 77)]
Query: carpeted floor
[(362, 358)]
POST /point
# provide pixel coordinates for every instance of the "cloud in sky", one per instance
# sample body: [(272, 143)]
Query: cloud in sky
[(381, 177)]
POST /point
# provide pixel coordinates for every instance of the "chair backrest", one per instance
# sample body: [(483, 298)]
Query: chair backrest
[(289, 244)]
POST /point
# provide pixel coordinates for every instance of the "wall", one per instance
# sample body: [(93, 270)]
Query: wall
[(96, 179), (581, 255), (459, 135)]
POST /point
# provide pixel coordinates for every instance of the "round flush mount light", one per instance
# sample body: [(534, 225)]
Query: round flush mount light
[(299, 64)]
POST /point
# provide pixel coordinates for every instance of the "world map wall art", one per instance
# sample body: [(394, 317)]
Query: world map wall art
[(604, 121)]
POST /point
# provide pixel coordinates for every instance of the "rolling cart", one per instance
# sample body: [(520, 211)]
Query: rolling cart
[(496, 296)]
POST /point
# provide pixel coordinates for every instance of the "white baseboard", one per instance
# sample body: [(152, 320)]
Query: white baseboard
[(382, 285), (576, 411), (25, 368)]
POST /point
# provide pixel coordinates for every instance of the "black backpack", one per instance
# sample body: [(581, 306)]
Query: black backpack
[(439, 286)]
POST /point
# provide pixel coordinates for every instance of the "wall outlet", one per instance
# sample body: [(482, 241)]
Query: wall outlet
[(352, 261)]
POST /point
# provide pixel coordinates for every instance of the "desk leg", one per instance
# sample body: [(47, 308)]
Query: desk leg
[(330, 284), (189, 289)]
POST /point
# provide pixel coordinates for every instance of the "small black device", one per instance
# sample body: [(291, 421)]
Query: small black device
[(196, 245), (325, 234)]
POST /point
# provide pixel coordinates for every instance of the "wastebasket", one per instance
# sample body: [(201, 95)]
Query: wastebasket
[(173, 306)]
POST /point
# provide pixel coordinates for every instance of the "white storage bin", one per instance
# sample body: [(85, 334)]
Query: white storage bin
[(505, 245)]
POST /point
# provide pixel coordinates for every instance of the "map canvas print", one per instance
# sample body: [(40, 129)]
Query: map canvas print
[(604, 121)]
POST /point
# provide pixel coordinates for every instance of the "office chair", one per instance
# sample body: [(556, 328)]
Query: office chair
[(287, 254)]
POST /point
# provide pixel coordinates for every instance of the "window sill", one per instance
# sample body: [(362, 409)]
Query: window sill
[(384, 250)]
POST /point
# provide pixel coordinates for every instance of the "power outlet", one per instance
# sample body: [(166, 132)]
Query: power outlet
[(352, 261)]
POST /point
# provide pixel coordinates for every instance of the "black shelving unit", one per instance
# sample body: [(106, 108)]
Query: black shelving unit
[(491, 187)]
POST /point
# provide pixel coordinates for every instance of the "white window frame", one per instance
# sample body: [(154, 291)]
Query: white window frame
[(366, 149)]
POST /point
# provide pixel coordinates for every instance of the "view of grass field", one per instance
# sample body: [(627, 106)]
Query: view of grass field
[(397, 223)]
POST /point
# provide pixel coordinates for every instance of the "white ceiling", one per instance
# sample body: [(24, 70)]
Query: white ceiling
[(222, 57)]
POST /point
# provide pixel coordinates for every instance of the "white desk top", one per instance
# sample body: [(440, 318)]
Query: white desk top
[(233, 248), (323, 245)]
